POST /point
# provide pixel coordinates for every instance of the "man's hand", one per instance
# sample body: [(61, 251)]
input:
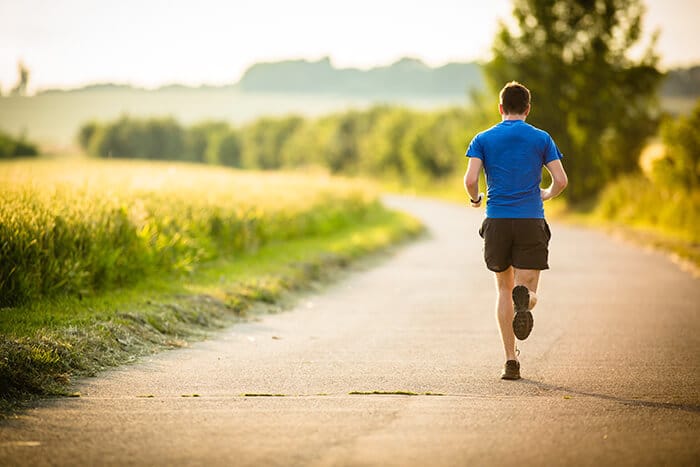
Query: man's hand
[(471, 181), (545, 194)]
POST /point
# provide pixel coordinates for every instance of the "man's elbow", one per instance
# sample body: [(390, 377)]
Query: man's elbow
[(564, 181), (471, 182)]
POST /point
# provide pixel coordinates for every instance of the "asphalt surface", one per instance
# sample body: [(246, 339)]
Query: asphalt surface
[(611, 371)]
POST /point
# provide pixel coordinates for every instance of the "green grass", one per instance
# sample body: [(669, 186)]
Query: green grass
[(103, 261), (662, 217), (46, 344), (89, 226), (637, 202)]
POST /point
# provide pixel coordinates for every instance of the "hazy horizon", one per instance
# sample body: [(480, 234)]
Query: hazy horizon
[(218, 85), (212, 42)]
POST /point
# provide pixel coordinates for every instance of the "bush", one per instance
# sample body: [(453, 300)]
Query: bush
[(131, 138), (384, 142), (202, 141), (230, 149), (11, 147), (635, 200), (264, 140), (681, 163), (85, 134)]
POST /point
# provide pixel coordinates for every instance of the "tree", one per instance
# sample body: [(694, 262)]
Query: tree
[(162, 139), (20, 88), (597, 102), (382, 150), (203, 141), (230, 149), (433, 142), (86, 133), (264, 141), (680, 165)]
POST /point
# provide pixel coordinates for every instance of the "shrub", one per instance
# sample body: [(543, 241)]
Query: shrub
[(13, 147), (681, 163), (131, 138)]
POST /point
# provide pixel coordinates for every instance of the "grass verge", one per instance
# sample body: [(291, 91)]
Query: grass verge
[(47, 344), (681, 249), (663, 218)]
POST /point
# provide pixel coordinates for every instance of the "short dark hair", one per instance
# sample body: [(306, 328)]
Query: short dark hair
[(514, 97)]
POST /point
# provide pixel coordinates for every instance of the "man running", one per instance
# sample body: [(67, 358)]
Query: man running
[(516, 235)]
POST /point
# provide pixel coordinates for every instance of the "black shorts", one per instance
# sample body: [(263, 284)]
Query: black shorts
[(521, 243)]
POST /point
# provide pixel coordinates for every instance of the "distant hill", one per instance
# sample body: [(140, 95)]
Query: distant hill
[(682, 82), (113, 87), (408, 76)]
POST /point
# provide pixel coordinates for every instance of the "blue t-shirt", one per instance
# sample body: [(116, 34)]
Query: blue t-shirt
[(513, 153)]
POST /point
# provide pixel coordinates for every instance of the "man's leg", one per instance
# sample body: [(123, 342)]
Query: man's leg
[(524, 299), (530, 278), (504, 311)]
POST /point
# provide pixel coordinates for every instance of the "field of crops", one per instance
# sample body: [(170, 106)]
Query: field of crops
[(80, 226)]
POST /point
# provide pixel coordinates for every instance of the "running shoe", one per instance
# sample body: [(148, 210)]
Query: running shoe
[(511, 370), (522, 320)]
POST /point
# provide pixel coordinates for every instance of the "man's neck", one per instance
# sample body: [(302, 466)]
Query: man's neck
[(514, 117)]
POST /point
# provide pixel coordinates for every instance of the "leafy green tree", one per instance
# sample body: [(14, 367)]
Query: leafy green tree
[(162, 139), (202, 141), (264, 140), (382, 151), (230, 149), (305, 146), (597, 102), (681, 164), (86, 133), (435, 142), (349, 131), (342, 154)]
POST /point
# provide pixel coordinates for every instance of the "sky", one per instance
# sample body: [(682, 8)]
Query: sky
[(70, 43)]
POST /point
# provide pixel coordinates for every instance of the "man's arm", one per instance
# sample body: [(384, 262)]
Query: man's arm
[(559, 180), (471, 180)]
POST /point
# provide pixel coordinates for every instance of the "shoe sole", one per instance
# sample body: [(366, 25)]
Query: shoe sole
[(510, 378), (522, 320)]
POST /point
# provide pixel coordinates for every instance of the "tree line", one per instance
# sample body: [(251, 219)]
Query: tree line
[(391, 143), (382, 141)]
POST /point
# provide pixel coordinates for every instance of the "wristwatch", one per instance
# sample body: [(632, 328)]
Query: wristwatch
[(478, 200)]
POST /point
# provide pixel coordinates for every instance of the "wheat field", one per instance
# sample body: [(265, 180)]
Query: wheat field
[(80, 226)]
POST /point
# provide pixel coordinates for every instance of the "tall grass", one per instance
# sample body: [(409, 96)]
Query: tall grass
[(638, 202), (89, 226)]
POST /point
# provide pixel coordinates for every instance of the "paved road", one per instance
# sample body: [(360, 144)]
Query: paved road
[(611, 372)]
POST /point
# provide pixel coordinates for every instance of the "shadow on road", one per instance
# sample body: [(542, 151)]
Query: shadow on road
[(633, 402)]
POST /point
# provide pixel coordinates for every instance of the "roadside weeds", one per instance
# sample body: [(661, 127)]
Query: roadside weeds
[(44, 347)]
